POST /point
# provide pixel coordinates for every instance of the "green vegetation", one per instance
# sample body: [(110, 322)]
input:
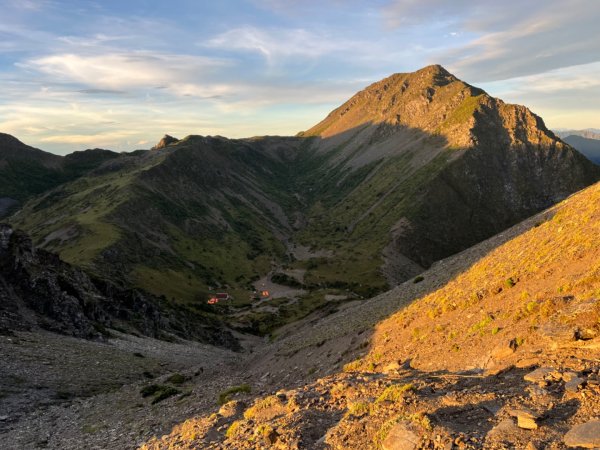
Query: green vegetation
[(159, 392), (353, 366), (395, 392), (463, 112), (225, 395), (481, 326), (177, 378), (358, 409), (261, 405), (233, 429), (164, 394)]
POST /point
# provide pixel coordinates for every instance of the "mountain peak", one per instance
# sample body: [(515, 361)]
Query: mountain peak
[(165, 141), (426, 100), (9, 140), (433, 69)]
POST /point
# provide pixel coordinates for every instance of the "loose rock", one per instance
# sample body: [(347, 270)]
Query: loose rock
[(586, 435), (401, 437)]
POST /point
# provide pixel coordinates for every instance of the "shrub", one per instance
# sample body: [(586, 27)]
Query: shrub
[(358, 409), (224, 396), (177, 378), (353, 366), (260, 405), (164, 394), (395, 392), (418, 279), (481, 325), (151, 390), (233, 429), (159, 391)]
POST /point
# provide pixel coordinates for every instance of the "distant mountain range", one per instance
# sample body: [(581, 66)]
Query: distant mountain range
[(590, 147), (589, 133), (410, 170)]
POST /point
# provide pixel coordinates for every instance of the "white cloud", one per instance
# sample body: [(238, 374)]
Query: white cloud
[(566, 97), (279, 43), (119, 71), (509, 38)]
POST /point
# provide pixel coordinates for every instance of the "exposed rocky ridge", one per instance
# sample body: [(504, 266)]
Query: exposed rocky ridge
[(165, 141), (501, 162), (503, 355), (38, 290)]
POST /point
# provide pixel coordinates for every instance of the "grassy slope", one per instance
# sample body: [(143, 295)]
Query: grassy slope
[(82, 207), (540, 277)]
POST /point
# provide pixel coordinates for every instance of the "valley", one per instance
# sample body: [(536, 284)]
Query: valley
[(388, 183)]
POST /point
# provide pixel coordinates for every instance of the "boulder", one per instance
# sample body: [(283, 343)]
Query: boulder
[(586, 435), (540, 375), (401, 437)]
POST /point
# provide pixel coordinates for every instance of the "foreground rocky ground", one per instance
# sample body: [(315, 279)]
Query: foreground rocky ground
[(61, 392)]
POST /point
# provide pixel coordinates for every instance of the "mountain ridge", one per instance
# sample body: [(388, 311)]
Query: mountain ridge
[(375, 202)]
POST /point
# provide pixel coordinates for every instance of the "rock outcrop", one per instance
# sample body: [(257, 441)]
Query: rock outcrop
[(165, 142), (38, 289)]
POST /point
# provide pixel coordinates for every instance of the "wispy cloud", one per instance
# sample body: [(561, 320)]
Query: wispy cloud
[(124, 70), (281, 43), (510, 38)]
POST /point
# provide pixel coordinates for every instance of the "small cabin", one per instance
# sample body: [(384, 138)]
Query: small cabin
[(222, 296)]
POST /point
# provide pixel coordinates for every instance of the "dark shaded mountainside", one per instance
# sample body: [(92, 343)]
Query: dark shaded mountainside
[(589, 147), (26, 171), (38, 290), (412, 169)]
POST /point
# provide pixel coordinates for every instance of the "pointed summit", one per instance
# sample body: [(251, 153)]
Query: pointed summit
[(165, 142), (424, 99)]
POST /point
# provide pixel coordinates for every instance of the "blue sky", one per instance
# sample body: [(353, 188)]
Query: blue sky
[(120, 74)]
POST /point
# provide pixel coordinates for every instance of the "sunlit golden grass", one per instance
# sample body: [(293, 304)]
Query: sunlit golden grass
[(512, 289)]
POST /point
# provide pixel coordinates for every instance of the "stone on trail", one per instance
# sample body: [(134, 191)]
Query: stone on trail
[(401, 437), (586, 435)]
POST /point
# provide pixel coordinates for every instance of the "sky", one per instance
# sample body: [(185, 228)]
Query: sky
[(120, 74)]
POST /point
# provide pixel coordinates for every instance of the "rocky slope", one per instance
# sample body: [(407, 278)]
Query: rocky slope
[(481, 164), (413, 169), (496, 347), (38, 290)]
